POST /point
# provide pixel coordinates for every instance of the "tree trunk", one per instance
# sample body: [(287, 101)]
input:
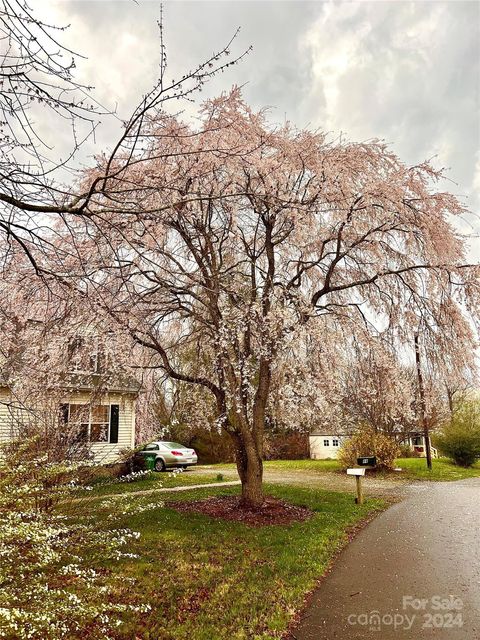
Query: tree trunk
[(248, 440), (252, 487), (250, 470)]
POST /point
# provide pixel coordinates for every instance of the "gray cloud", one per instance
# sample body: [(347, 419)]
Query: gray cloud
[(408, 72)]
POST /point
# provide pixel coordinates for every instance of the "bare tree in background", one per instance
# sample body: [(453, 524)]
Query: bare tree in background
[(37, 78)]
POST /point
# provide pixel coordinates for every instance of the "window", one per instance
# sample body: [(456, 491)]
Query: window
[(335, 442), (326, 443), (97, 359), (151, 447), (99, 424), (86, 355), (78, 420), (90, 422), (74, 352)]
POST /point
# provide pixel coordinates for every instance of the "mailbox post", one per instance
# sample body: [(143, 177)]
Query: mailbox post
[(366, 462), (358, 473)]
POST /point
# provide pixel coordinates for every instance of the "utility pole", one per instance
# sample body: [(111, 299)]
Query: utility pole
[(423, 417)]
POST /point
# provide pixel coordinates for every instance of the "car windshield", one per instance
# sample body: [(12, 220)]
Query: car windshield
[(173, 445)]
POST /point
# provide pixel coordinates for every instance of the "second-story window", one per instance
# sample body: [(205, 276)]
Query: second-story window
[(86, 355)]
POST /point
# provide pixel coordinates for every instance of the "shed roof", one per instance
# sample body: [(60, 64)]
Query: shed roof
[(331, 434)]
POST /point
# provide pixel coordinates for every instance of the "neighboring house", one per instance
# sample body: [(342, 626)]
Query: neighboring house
[(416, 441), (326, 445), (96, 406)]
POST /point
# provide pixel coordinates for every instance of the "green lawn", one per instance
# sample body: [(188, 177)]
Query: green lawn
[(414, 468), (293, 465), (208, 579), (304, 465), (442, 469)]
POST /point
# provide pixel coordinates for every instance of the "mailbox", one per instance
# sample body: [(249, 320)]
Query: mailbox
[(367, 461), (355, 472)]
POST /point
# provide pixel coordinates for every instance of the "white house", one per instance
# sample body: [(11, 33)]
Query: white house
[(104, 420), (325, 445), (416, 442)]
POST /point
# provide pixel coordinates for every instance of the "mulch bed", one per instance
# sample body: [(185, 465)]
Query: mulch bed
[(273, 510)]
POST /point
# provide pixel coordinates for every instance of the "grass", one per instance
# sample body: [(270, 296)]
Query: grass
[(293, 465), (304, 465), (413, 469), (443, 469), (208, 579)]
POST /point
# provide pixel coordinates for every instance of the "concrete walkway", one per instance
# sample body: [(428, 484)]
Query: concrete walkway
[(148, 492), (413, 572)]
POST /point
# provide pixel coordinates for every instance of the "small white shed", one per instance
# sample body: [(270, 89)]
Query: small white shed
[(325, 445)]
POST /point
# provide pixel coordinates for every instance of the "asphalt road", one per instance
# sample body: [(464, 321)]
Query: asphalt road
[(413, 572)]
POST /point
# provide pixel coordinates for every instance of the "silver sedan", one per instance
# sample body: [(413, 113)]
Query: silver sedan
[(169, 454)]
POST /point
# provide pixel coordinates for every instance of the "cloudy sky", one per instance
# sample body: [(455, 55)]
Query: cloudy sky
[(406, 72)]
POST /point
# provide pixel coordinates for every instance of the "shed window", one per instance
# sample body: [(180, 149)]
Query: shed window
[(335, 442), (326, 443)]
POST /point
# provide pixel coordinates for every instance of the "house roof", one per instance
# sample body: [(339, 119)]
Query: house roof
[(115, 382), (109, 383)]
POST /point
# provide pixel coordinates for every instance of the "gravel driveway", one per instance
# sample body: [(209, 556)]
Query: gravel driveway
[(329, 480)]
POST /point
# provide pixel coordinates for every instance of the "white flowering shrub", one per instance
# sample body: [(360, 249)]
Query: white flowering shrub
[(122, 505), (47, 590), (134, 476)]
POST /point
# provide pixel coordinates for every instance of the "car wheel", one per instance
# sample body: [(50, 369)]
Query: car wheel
[(159, 465)]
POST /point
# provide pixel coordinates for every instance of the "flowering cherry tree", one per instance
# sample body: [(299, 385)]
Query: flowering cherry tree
[(242, 245)]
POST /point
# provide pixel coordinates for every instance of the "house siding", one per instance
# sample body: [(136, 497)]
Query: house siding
[(5, 418), (104, 452), (9, 415), (318, 451)]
